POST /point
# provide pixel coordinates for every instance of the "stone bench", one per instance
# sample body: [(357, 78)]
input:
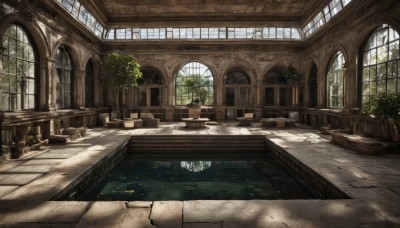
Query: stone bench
[(149, 120), (358, 143), (246, 119), (277, 122), (114, 124), (59, 139)]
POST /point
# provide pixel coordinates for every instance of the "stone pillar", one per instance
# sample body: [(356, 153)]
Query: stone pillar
[(98, 88), (350, 85), (169, 114), (219, 113), (306, 92), (258, 93), (79, 89), (3, 154), (218, 92), (47, 82), (321, 84)]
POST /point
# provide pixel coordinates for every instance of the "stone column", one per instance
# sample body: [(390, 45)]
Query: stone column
[(169, 113), (306, 92), (321, 84), (258, 93), (350, 85), (79, 89), (47, 84), (1, 108)]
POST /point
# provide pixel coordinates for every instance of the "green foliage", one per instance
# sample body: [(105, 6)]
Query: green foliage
[(196, 88), (291, 75), (384, 106), (120, 71)]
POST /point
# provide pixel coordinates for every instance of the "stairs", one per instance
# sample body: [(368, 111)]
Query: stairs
[(197, 145)]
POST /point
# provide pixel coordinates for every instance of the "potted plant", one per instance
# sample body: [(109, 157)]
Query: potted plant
[(386, 108), (198, 95), (291, 75), (120, 72)]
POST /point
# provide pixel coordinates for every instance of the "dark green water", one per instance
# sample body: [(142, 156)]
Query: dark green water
[(218, 179)]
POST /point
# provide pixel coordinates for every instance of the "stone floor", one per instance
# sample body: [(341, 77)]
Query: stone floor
[(373, 182)]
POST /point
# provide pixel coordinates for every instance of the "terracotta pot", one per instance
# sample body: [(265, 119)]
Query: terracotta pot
[(194, 112)]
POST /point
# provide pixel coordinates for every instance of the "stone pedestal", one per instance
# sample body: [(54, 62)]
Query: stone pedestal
[(195, 123)]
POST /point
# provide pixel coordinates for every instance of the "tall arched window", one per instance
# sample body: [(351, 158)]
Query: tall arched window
[(237, 89), (150, 88), (89, 85), (274, 84), (18, 79), (197, 71), (64, 79), (381, 66), (335, 81)]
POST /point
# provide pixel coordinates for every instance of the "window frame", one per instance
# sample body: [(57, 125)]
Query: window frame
[(25, 91)]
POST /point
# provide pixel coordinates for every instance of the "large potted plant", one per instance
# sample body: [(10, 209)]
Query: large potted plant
[(386, 108), (198, 95), (120, 72)]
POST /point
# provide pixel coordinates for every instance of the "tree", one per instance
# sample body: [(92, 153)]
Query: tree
[(196, 90), (120, 72)]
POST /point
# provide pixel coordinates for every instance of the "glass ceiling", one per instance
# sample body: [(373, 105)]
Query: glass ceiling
[(202, 33), (329, 11), (74, 8)]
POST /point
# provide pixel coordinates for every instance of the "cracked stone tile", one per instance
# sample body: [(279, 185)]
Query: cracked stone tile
[(137, 217), (167, 213)]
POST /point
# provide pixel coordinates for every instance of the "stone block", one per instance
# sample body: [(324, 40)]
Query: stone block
[(128, 124), (138, 123), (59, 138), (151, 122), (358, 143), (268, 122), (114, 124)]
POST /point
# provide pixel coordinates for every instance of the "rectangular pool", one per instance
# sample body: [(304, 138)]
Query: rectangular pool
[(238, 178)]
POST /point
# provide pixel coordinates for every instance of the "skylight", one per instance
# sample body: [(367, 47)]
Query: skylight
[(74, 8), (203, 33), (329, 11)]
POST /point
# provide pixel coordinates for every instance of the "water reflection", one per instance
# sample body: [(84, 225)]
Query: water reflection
[(195, 166)]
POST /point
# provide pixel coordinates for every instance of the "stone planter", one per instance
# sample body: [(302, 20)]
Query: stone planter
[(194, 112)]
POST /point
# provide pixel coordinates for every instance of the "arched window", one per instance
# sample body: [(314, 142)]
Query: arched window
[(274, 84), (335, 81), (150, 88), (237, 89), (64, 79), (198, 72), (381, 66), (89, 85), (18, 79)]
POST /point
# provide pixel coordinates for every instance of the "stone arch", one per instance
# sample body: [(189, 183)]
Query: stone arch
[(213, 74), (277, 68), (71, 47), (41, 47)]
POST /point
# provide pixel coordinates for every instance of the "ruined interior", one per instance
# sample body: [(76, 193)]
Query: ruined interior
[(344, 53)]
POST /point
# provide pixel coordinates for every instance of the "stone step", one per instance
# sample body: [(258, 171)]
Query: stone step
[(204, 144)]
